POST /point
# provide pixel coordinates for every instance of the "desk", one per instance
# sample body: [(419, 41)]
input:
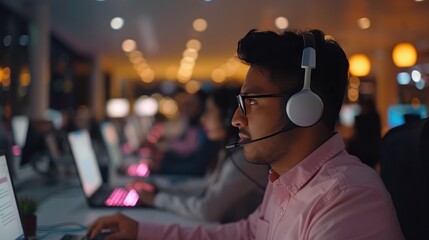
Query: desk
[(72, 207), (65, 203)]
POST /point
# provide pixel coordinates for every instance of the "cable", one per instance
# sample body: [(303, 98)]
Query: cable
[(229, 155)]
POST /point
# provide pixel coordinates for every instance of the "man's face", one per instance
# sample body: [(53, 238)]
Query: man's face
[(264, 116)]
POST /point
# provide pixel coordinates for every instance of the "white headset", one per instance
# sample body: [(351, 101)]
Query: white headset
[(305, 107)]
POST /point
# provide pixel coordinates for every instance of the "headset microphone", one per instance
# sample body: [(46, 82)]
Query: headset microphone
[(288, 127)]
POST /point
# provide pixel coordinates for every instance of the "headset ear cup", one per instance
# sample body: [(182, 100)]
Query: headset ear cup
[(304, 108)]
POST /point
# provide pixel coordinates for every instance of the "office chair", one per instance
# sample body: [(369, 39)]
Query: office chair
[(405, 172)]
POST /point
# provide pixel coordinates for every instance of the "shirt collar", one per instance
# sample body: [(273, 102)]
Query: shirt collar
[(305, 170)]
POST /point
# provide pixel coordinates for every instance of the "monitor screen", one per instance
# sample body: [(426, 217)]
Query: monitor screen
[(19, 129), (111, 141), (85, 160), (348, 113), (10, 221), (397, 114)]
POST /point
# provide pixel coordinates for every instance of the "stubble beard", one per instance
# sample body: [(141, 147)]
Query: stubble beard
[(263, 155)]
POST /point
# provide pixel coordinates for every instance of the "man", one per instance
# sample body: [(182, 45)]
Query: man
[(316, 189)]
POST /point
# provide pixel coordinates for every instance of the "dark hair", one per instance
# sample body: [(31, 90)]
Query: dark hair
[(225, 99), (280, 56)]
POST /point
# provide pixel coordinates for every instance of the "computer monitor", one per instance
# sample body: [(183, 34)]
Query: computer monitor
[(36, 144), (19, 129), (112, 143), (348, 113), (397, 114)]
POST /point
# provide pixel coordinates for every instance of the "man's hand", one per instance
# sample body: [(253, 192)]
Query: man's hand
[(146, 191), (120, 226)]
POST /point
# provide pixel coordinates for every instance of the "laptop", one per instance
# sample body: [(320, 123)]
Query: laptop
[(129, 165), (97, 193), (10, 220), (11, 226)]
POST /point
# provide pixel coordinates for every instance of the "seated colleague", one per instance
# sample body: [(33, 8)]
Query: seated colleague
[(316, 189), (182, 148), (229, 192)]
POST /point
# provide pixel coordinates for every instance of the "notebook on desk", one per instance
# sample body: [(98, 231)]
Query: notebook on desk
[(97, 193)]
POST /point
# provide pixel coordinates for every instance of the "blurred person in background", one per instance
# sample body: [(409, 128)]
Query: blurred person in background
[(366, 139), (231, 190), (181, 146)]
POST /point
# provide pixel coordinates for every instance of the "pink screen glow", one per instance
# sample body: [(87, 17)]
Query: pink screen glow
[(122, 197)]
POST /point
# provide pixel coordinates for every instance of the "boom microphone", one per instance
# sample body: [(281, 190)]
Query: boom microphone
[(287, 128)]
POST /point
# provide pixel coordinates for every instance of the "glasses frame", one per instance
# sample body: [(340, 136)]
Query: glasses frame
[(241, 98)]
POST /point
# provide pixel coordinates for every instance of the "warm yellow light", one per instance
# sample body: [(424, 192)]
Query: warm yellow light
[(5, 72), (1, 74), (190, 53), (415, 102), (194, 43), (404, 55), (168, 107), (25, 79), (187, 66), (360, 65), (192, 86), (128, 45), (218, 75), (171, 72), (354, 82), (200, 24), (141, 66), (147, 75), (364, 23), (182, 79), (135, 54), (353, 94), (281, 22)]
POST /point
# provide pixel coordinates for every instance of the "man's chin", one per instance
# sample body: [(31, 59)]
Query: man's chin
[(253, 159)]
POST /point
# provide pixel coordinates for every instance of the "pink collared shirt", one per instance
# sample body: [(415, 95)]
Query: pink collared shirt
[(328, 195)]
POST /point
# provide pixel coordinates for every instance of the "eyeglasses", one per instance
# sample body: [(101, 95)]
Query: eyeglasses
[(241, 98)]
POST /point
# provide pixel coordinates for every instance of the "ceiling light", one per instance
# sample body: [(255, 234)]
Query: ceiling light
[(118, 107), (191, 53), (117, 23), (403, 78), (416, 75), (359, 65), (128, 45), (281, 22), (192, 86), (364, 23), (200, 25), (194, 44), (146, 106), (218, 75), (404, 55), (420, 84)]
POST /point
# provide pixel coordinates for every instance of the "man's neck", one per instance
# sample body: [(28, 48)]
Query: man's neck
[(303, 145)]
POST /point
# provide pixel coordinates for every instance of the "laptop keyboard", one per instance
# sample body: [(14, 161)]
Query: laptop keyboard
[(122, 197)]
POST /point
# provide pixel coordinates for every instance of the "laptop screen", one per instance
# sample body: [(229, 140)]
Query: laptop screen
[(10, 221), (19, 129), (111, 140), (86, 161)]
